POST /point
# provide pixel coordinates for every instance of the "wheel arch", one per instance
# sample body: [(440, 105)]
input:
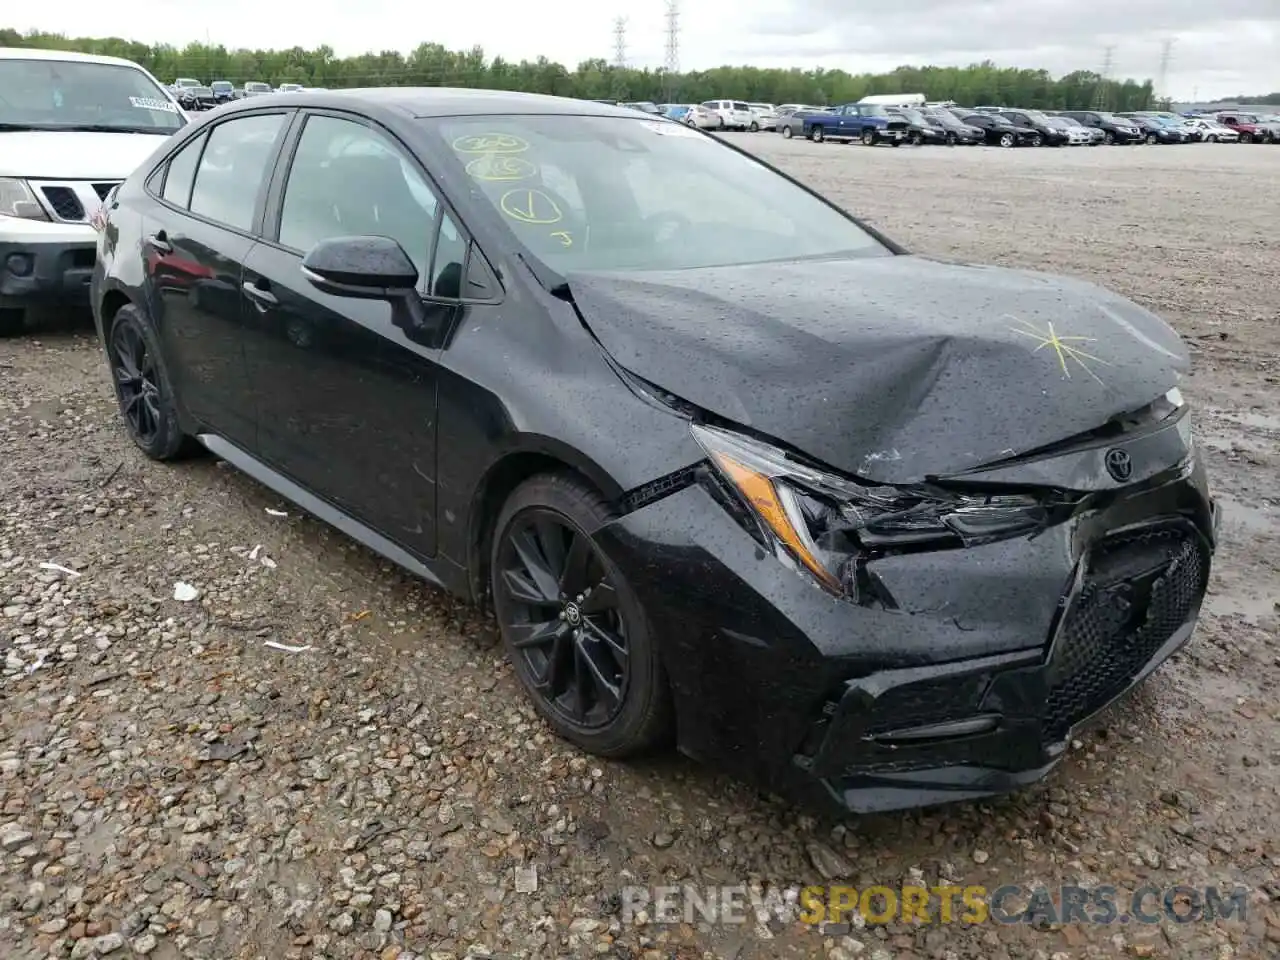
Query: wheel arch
[(536, 455)]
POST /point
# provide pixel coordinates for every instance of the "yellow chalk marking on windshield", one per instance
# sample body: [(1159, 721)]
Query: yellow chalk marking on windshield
[(530, 206), (564, 237), (1064, 348), (490, 143), (500, 167)]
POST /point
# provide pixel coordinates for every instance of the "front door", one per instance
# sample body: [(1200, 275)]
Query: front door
[(346, 399), (196, 242)]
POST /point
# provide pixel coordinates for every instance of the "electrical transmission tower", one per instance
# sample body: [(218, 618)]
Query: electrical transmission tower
[(1101, 95), (620, 42), (672, 64), (1166, 53), (619, 58)]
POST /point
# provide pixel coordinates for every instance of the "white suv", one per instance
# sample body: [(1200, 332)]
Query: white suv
[(72, 127), (734, 114)]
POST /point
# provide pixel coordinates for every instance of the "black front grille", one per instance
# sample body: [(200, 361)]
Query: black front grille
[(64, 202), (1139, 589)]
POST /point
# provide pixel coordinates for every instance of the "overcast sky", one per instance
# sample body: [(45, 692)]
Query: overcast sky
[(1221, 48)]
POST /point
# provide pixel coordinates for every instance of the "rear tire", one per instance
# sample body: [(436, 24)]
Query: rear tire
[(546, 520), (755, 127), (868, 138), (787, 132), (1008, 140), (144, 390)]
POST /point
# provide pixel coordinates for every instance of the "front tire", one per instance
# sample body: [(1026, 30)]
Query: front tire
[(817, 135), (574, 629), (144, 390), (1246, 138), (1109, 138)]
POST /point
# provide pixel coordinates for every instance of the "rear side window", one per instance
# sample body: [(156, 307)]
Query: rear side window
[(741, 106), (233, 168), (182, 173)]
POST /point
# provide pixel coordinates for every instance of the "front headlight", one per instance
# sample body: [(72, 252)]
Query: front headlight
[(18, 200), (829, 525)]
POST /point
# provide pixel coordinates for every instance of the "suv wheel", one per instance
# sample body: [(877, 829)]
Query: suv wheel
[(869, 138), (13, 321)]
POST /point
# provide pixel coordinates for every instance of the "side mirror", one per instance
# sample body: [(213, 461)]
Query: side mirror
[(368, 268)]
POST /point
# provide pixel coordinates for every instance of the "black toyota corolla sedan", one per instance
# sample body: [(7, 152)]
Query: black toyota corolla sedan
[(743, 474)]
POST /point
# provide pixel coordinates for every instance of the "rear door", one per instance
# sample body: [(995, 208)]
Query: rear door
[(347, 399), (197, 237)]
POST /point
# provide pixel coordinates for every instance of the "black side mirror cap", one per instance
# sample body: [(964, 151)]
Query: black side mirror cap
[(368, 268)]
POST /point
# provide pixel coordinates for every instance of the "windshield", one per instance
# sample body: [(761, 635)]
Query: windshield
[(255, 87), (946, 119), (915, 116), (1056, 122), (1035, 115), (872, 110), (221, 86), (613, 193), (70, 94)]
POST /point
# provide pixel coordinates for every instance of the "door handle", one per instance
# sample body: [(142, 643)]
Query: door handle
[(263, 298), (160, 243)]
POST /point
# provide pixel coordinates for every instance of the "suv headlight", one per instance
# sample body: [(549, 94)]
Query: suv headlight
[(18, 200), (829, 524)]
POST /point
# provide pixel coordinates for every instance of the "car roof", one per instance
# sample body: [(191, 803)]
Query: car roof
[(442, 102), (66, 56)]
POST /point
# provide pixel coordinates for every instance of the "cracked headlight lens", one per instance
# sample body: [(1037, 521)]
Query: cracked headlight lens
[(827, 523)]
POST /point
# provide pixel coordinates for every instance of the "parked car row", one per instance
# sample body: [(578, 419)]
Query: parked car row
[(191, 94), (873, 123)]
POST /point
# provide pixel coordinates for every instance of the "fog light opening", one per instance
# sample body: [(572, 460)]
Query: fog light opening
[(19, 264)]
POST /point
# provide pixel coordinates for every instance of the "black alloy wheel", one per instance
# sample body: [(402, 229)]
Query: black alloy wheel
[(573, 629), (143, 388)]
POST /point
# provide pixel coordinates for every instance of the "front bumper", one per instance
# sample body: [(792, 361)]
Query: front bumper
[(35, 270), (967, 675)]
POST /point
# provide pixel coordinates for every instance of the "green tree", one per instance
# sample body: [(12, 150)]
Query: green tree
[(431, 64)]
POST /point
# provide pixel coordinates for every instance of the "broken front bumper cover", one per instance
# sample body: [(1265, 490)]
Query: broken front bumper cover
[(962, 692)]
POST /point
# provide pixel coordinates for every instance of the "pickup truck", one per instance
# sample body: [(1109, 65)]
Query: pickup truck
[(869, 122)]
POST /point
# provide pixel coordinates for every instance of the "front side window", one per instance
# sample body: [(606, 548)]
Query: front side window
[(234, 167), (74, 94), (182, 173), (349, 180), (614, 193)]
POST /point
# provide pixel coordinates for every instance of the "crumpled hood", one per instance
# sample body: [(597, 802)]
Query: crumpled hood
[(892, 368), (74, 155)]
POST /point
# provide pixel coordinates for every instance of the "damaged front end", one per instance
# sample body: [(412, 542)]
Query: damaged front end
[(933, 641)]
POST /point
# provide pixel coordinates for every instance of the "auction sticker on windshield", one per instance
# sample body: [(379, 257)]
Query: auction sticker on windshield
[(147, 103)]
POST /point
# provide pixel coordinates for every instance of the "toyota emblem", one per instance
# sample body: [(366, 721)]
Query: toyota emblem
[(1119, 465)]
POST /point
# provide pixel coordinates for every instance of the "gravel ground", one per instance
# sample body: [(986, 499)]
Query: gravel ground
[(173, 786)]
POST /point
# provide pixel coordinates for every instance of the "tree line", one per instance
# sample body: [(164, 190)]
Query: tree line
[(430, 64)]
